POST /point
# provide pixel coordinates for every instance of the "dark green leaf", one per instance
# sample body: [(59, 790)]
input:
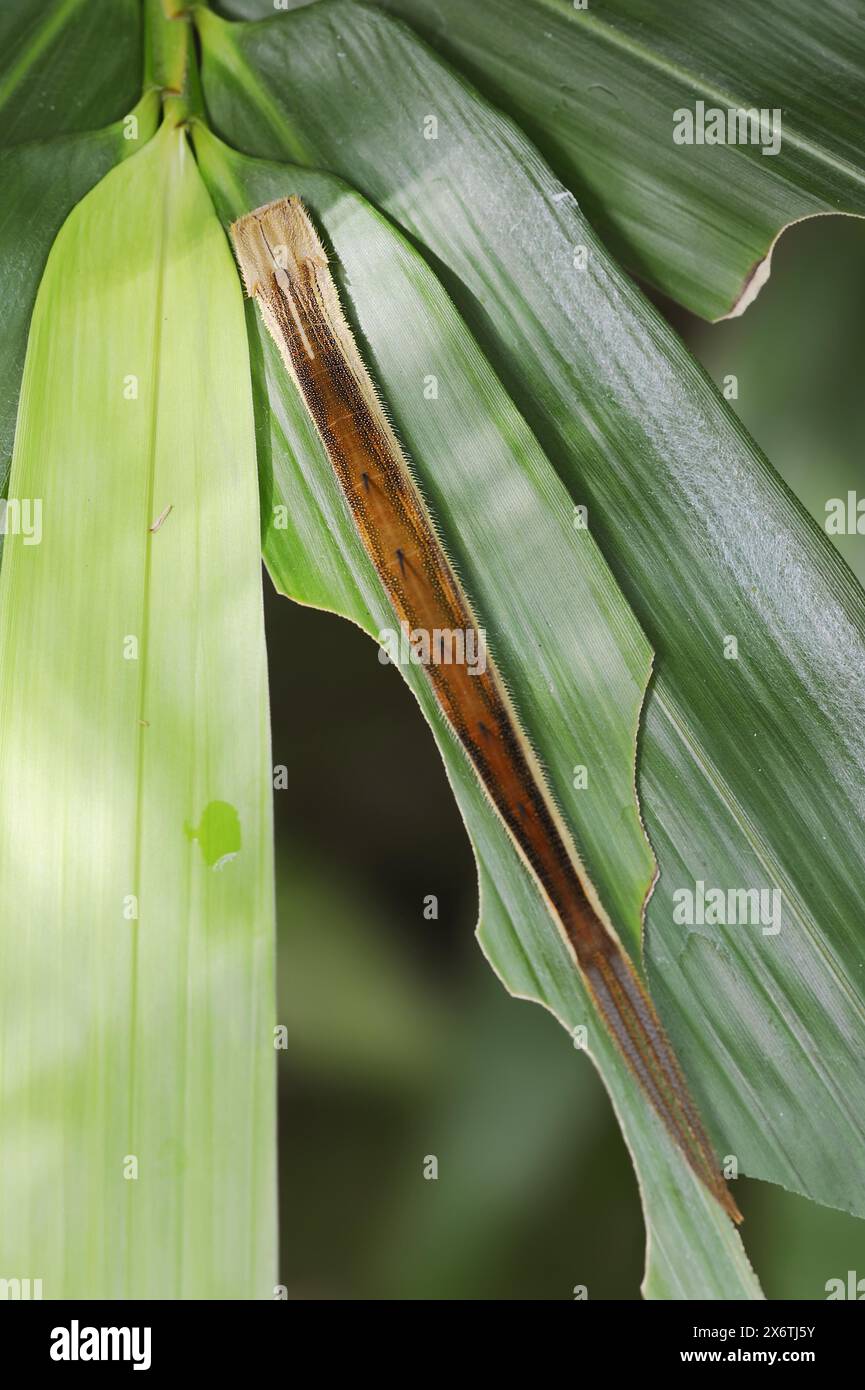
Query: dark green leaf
[(596, 86), (564, 639), (751, 770), (67, 65)]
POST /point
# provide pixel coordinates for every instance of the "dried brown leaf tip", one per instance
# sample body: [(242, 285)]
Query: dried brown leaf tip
[(285, 269)]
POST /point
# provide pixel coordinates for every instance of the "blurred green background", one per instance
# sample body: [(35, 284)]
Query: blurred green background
[(402, 1043)]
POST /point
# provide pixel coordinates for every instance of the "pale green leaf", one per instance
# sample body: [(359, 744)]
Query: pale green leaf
[(136, 951), (42, 184)]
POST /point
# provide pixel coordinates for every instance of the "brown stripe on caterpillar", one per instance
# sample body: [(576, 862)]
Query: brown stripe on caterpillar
[(285, 268)]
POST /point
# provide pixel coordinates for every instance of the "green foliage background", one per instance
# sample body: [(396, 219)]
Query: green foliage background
[(401, 1043), (536, 1192)]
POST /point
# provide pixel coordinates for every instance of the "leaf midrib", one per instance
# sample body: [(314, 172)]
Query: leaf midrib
[(167, 208)]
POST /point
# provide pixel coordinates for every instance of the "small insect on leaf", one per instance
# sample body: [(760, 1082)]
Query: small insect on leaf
[(159, 520)]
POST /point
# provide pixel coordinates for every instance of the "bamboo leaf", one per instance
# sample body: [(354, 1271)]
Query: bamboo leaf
[(67, 65), (136, 971), (750, 769), (46, 178), (574, 660), (43, 182), (596, 87)]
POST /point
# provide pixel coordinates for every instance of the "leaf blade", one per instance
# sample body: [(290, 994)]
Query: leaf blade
[(681, 503), (596, 89), (318, 558), (151, 968), (44, 182), (68, 65)]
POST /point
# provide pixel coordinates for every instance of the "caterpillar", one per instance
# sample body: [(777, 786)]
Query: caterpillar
[(285, 270)]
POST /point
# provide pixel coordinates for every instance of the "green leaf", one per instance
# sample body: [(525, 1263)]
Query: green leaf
[(45, 179), (67, 65), (596, 88), (750, 770), (136, 894), (802, 391), (575, 661), (42, 184)]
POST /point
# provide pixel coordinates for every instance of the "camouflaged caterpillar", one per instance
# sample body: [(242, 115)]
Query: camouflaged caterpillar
[(285, 269)]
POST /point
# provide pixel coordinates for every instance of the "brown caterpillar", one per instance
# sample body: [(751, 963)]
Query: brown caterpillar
[(285, 269)]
